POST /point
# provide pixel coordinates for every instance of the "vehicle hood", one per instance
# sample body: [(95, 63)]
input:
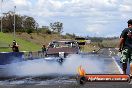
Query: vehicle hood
[(63, 49)]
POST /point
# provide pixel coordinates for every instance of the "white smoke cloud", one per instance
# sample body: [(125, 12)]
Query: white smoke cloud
[(41, 67)]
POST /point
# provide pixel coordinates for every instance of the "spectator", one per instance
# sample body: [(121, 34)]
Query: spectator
[(15, 46), (125, 47), (43, 49)]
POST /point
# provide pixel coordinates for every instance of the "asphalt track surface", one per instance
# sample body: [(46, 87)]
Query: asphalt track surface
[(74, 85), (72, 82)]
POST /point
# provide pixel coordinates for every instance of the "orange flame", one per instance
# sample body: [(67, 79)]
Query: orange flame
[(81, 71)]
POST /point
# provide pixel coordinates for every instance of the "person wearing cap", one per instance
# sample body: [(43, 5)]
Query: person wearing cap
[(125, 47), (15, 46)]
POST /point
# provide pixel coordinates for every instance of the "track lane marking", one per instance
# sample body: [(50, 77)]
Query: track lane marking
[(119, 68)]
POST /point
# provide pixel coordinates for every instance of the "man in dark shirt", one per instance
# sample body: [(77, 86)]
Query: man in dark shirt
[(125, 47), (44, 50), (15, 46)]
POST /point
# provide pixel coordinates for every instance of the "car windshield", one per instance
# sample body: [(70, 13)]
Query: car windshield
[(57, 44)]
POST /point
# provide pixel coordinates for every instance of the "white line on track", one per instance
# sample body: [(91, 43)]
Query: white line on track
[(119, 68)]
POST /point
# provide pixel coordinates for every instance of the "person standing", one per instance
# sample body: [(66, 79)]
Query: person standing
[(15, 46), (125, 47), (44, 50)]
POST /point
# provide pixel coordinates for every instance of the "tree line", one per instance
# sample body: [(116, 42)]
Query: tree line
[(27, 24), (22, 23)]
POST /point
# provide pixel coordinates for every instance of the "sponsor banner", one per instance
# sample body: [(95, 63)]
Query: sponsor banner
[(107, 78)]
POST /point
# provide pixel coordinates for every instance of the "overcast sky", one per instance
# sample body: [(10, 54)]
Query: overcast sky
[(82, 17)]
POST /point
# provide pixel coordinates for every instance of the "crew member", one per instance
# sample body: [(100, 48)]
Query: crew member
[(15, 46), (125, 47), (43, 49)]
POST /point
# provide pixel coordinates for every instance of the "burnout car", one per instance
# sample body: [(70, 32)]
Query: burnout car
[(62, 48)]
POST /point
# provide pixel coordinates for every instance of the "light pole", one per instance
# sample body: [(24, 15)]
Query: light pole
[(1, 15), (14, 22)]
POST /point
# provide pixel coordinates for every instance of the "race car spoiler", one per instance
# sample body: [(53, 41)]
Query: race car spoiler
[(83, 77)]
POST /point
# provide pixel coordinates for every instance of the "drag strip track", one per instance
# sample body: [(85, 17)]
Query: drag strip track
[(118, 66), (73, 85), (65, 74)]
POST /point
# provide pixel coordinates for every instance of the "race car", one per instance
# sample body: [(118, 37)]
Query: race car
[(62, 48)]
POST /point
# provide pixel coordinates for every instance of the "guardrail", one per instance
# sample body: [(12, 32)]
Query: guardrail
[(4, 45), (33, 55), (12, 57)]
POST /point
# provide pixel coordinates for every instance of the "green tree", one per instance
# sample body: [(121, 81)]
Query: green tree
[(8, 21), (29, 23), (22, 22), (57, 27)]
